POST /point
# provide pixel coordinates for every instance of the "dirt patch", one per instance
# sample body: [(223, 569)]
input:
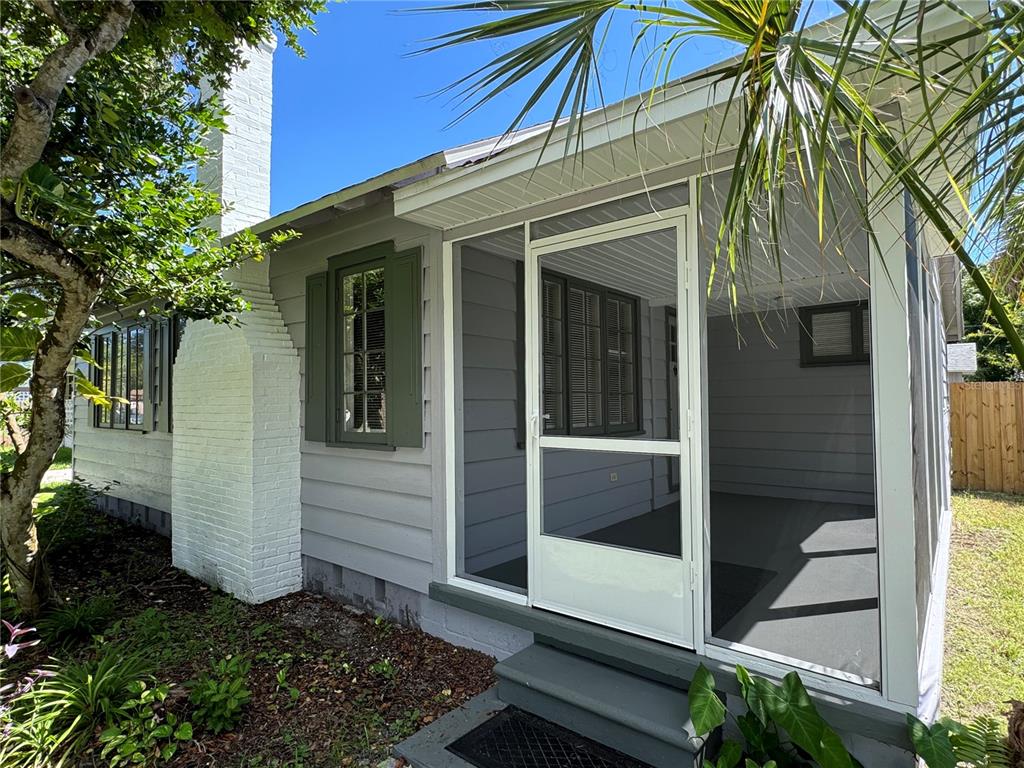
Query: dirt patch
[(362, 683)]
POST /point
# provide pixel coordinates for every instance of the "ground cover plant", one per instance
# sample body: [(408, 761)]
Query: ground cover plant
[(185, 676)]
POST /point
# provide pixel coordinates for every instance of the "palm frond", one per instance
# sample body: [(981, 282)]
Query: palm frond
[(817, 111)]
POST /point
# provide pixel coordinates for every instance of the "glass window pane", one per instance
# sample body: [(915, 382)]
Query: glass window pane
[(348, 331), (375, 371), (375, 329), (617, 499), (374, 288), (351, 293), (376, 420)]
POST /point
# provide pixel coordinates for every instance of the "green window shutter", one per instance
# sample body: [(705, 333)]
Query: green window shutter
[(316, 358), (404, 341)]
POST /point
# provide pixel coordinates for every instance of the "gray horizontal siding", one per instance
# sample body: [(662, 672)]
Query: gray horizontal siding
[(777, 429), (367, 510)]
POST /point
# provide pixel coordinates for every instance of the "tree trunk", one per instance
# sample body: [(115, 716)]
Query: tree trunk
[(22, 559)]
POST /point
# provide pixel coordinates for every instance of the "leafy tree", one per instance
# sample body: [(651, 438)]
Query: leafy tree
[(799, 97), (101, 131), (996, 361)]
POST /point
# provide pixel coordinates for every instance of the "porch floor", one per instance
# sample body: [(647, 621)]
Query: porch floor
[(796, 578)]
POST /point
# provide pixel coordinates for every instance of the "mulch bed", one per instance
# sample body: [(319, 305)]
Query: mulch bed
[(364, 683)]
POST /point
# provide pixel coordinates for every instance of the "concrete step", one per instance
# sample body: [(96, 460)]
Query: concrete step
[(641, 718)]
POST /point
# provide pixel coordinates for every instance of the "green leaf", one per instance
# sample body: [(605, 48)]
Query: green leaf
[(931, 744), (26, 306), (12, 376), (19, 343), (184, 732), (792, 709), (730, 754), (752, 694), (706, 710)]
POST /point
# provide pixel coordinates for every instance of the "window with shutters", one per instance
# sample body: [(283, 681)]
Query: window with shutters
[(835, 334), (363, 374), (363, 335), (133, 363), (589, 350)]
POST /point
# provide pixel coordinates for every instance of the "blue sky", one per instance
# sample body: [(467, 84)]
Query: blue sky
[(359, 104)]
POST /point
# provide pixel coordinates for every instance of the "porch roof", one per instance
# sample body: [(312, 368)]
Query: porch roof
[(625, 140)]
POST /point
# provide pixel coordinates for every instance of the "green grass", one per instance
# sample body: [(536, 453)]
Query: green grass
[(61, 461), (984, 656)]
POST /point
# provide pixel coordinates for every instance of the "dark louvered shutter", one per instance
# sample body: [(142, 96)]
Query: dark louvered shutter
[(404, 310), (315, 427)]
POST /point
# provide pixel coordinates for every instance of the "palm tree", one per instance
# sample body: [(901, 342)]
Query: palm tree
[(801, 97)]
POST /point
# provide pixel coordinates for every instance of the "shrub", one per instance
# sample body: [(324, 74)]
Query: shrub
[(60, 714), (77, 621), (143, 734), (219, 696)]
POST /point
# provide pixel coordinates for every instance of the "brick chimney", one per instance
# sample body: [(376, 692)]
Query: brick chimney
[(235, 512)]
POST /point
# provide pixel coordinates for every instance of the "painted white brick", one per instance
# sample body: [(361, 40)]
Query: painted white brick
[(235, 471)]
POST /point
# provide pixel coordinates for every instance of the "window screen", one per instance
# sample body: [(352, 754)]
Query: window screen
[(835, 334)]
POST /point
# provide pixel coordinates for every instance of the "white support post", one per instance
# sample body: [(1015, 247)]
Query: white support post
[(894, 483)]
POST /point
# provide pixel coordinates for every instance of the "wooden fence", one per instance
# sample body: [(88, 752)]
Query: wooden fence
[(987, 428)]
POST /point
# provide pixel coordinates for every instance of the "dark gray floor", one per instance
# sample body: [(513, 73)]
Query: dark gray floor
[(793, 577)]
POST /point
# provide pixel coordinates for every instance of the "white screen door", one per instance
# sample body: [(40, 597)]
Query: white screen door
[(608, 478)]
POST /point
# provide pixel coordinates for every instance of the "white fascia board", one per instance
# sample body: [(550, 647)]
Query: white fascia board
[(599, 128)]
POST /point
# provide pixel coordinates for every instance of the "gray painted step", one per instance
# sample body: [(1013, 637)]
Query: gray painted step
[(641, 718), (426, 747)]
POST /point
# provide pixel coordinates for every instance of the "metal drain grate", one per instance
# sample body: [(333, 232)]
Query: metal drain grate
[(516, 739)]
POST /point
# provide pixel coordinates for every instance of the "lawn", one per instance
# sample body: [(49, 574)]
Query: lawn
[(984, 662), (328, 685), (62, 460)]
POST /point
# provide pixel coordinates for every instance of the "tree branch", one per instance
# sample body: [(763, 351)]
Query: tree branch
[(34, 247), (15, 432), (51, 9), (35, 103)]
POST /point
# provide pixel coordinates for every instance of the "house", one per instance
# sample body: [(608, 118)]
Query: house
[(487, 393)]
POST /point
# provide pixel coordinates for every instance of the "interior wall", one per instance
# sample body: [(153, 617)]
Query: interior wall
[(780, 430), (580, 495)]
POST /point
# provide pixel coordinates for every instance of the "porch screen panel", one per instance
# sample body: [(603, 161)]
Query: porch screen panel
[(792, 549), (491, 525)]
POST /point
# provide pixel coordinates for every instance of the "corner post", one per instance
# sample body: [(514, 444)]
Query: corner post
[(893, 438)]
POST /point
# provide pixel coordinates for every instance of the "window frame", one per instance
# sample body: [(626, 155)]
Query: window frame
[(160, 338), (631, 428), (338, 267), (855, 312)]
